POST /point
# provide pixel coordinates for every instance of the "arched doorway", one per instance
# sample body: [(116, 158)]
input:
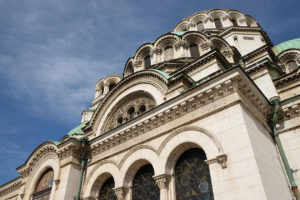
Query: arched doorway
[(44, 185), (144, 187), (106, 191), (192, 177)]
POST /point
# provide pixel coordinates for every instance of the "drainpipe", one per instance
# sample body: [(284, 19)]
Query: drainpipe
[(275, 103), (83, 141)]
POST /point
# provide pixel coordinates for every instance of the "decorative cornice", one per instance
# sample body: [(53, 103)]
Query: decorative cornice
[(211, 100), (27, 168), (289, 112), (239, 28), (10, 187), (287, 79)]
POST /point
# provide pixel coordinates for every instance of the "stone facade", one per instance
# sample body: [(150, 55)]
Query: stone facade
[(217, 102)]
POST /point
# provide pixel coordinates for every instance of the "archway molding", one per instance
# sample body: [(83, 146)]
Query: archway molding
[(97, 177), (185, 138)]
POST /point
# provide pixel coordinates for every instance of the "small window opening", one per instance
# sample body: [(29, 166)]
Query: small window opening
[(218, 23), (234, 22), (147, 61), (142, 109), (120, 120), (200, 26), (168, 54), (291, 65), (131, 112), (194, 50)]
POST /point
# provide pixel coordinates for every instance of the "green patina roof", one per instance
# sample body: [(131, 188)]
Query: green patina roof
[(78, 129), (291, 44), (56, 142), (93, 107), (179, 33), (167, 76)]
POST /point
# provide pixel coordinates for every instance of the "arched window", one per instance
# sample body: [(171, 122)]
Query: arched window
[(291, 65), (130, 112), (44, 186), (142, 109), (192, 178), (147, 61), (144, 187), (106, 191), (234, 22), (194, 50), (218, 23), (168, 53), (200, 26)]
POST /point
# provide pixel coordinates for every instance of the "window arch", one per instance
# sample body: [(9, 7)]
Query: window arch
[(44, 186), (194, 50), (168, 53), (106, 191), (218, 23), (143, 186), (200, 26), (192, 177), (147, 61), (291, 65)]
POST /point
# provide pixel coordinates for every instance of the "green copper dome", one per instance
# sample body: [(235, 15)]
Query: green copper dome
[(291, 44)]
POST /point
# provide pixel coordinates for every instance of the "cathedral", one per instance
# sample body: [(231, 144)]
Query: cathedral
[(208, 111)]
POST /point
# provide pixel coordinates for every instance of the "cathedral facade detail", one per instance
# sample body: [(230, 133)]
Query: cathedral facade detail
[(208, 111)]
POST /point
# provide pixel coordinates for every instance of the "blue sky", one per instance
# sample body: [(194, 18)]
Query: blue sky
[(52, 52)]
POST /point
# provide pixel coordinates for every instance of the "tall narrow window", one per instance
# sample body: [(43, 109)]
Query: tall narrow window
[(218, 23), (192, 178), (234, 22), (147, 61), (200, 26), (106, 191), (144, 187), (168, 53), (291, 65), (194, 50), (44, 186)]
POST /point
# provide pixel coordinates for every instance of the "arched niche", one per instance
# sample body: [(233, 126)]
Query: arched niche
[(147, 82), (128, 108), (97, 177)]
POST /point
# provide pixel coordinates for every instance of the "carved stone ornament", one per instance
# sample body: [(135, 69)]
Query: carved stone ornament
[(222, 159), (137, 64), (205, 46), (162, 181), (57, 181), (181, 44), (121, 193)]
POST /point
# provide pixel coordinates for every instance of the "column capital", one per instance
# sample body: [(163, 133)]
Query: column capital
[(121, 192), (162, 181)]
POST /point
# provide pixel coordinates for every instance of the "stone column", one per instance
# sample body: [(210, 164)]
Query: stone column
[(121, 193), (162, 181)]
